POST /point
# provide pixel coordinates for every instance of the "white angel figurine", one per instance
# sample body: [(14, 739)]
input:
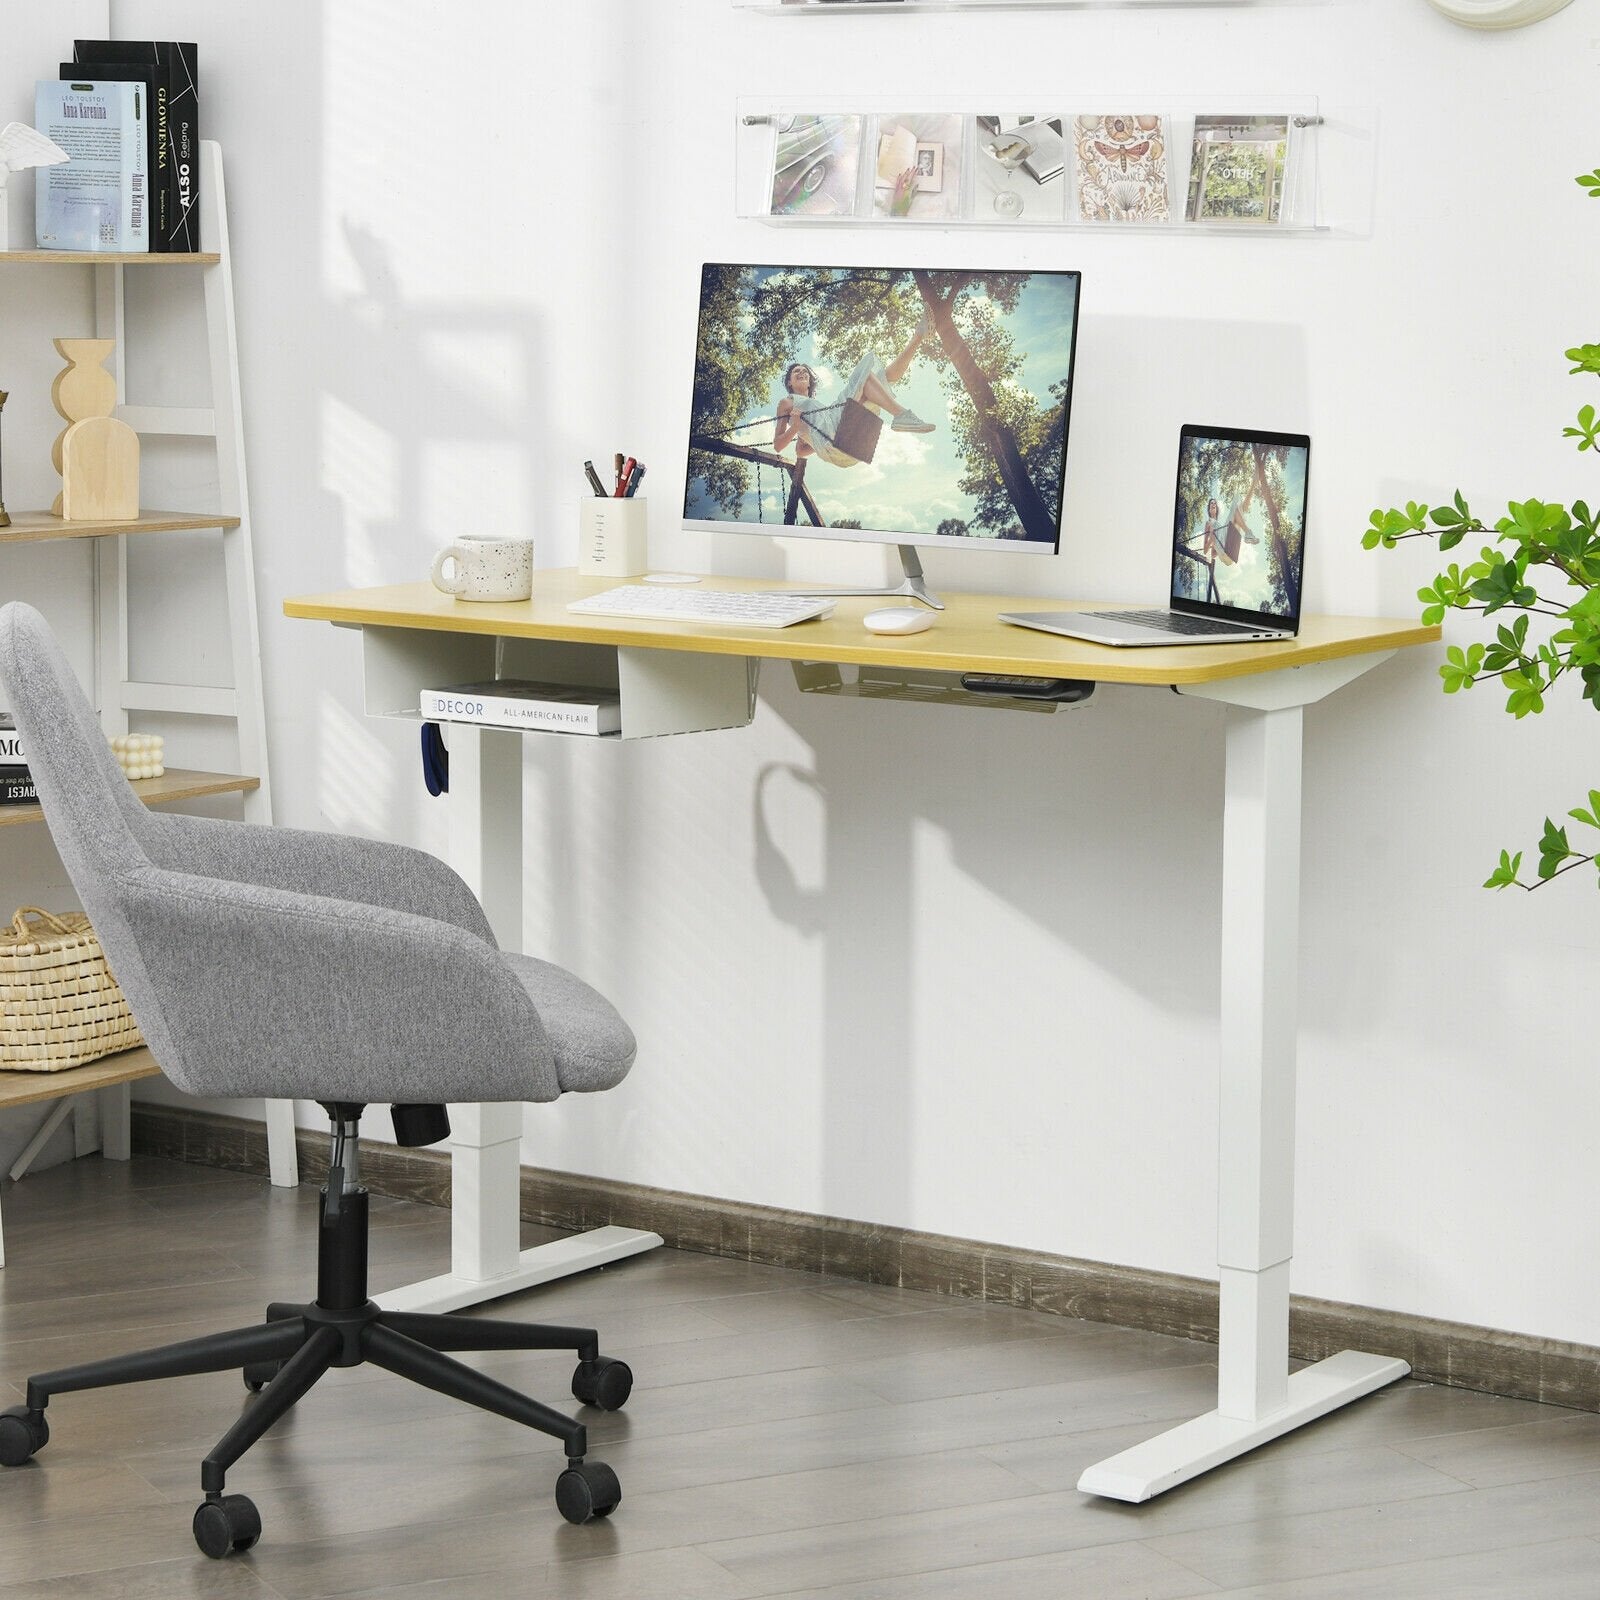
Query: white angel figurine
[(22, 146)]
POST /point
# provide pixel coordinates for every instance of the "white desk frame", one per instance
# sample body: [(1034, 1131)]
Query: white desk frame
[(486, 1258), (1257, 1397)]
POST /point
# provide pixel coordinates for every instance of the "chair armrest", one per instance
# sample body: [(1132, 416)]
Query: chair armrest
[(257, 990), (341, 866)]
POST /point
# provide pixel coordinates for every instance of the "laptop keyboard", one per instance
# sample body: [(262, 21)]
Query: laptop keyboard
[(1170, 621)]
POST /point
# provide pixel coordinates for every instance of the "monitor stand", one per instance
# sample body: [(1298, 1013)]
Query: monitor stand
[(913, 587)]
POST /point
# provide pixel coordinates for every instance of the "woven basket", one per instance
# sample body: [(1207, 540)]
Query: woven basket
[(59, 1004)]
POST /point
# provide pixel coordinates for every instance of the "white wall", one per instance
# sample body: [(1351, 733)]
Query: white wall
[(909, 964)]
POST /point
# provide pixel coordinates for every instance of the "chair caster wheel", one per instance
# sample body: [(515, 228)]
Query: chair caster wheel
[(259, 1374), (23, 1433), (603, 1382), (228, 1523), (588, 1490)]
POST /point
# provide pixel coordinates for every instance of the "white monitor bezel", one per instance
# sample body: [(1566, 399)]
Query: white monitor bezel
[(925, 541)]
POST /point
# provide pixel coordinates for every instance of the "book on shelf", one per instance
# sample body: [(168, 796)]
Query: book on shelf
[(1122, 168), (17, 788), (98, 199), (1236, 174), (520, 703), (16, 782), (171, 70), (10, 743)]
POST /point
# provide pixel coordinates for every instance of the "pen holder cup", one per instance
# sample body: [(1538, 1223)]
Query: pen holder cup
[(613, 538)]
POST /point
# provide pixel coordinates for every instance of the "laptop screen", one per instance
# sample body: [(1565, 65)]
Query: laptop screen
[(1238, 547)]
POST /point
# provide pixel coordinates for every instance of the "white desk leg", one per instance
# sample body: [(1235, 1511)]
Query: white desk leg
[(283, 1160), (486, 1140), (1257, 1398)]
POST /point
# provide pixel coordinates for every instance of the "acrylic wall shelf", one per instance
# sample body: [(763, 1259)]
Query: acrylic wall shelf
[(813, 163), (815, 8)]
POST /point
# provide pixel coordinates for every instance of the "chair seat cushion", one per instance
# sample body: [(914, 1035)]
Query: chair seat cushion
[(592, 1046)]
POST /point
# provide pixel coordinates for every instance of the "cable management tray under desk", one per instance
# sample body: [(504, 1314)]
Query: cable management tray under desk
[(906, 683)]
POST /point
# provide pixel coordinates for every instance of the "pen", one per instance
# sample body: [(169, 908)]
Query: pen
[(633, 481), (616, 470), (594, 479), (624, 472)]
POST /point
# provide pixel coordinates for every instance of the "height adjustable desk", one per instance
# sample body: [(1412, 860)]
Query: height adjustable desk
[(683, 677)]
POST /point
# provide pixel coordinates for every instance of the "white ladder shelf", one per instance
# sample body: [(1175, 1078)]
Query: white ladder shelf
[(115, 691)]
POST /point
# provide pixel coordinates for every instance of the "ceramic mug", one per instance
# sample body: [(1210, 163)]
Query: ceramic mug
[(487, 567)]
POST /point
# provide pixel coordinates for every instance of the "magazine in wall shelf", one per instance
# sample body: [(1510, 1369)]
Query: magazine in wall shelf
[(1155, 166), (1019, 168), (1121, 164), (918, 166), (816, 161), (1236, 169)]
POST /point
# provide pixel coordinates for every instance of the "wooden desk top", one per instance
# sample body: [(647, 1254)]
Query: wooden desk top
[(966, 637)]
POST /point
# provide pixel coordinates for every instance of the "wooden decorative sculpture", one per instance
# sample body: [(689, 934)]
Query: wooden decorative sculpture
[(97, 456)]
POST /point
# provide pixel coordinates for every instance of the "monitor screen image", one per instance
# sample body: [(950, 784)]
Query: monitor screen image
[(1239, 529), (901, 404)]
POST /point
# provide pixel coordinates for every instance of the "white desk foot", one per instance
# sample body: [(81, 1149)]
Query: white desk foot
[(1186, 1451), (542, 1264)]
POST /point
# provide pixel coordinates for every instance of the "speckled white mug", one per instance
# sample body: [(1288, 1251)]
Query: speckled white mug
[(487, 567)]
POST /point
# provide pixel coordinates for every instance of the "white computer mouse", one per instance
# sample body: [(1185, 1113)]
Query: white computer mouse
[(898, 619)]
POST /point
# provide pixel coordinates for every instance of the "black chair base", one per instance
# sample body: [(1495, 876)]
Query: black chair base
[(284, 1356)]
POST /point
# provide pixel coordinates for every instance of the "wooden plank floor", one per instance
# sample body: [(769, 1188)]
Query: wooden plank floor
[(788, 1435)]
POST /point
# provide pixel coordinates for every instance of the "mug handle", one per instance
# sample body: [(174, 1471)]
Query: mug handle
[(439, 581)]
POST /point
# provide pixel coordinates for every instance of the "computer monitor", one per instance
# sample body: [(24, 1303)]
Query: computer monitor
[(903, 405)]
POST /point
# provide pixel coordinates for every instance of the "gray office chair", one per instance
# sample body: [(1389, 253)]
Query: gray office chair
[(271, 962)]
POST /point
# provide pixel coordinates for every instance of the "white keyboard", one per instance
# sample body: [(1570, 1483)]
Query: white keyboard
[(734, 610)]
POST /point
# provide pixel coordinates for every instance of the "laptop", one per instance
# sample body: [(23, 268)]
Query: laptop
[(1238, 548)]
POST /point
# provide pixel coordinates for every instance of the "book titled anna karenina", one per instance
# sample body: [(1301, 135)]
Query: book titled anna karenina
[(99, 198)]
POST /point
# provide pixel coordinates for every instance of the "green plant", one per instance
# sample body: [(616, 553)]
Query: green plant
[(1536, 543)]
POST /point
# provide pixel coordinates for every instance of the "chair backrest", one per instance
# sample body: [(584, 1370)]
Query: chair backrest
[(94, 816)]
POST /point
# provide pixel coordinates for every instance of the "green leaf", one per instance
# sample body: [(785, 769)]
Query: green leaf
[(1501, 585), (1585, 432), (1514, 637), (1504, 875), (1553, 849), (1524, 695), (1388, 528), (1460, 668), (1591, 182), (1587, 357)]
